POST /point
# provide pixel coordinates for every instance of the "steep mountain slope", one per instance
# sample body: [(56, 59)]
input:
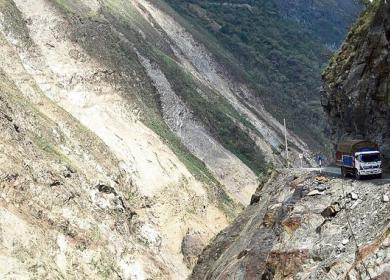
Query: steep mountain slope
[(88, 191), (356, 82), (73, 207), (124, 146), (280, 47), (125, 143)]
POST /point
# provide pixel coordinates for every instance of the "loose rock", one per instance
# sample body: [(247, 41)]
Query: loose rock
[(345, 241), (313, 193), (353, 196), (322, 179)]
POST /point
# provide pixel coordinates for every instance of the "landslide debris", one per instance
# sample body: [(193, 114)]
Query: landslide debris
[(289, 234)]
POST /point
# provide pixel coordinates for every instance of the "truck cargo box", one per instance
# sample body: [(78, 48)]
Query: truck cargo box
[(353, 146), (346, 150), (358, 158)]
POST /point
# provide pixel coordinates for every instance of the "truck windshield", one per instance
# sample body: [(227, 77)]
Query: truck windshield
[(369, 157)]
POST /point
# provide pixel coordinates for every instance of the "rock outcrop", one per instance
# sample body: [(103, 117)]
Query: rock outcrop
[(305, 226), (356, 91)]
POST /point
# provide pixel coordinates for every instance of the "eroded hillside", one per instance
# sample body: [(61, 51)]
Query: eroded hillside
[(124, 146), (126, 143), (280, 46)]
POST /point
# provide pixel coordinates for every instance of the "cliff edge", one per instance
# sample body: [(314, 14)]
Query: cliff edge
[(305, 226)]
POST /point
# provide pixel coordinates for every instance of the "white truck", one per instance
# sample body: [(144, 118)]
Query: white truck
[(359, 158)]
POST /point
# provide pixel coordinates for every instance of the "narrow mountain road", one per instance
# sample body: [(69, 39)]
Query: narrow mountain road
[(334, 171)]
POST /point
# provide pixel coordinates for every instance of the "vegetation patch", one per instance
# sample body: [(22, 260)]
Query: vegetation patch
[(14, 22), (215, 113), (279, 57), (42, 142)]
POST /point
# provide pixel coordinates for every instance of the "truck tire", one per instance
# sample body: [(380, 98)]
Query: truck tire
[(357, 175), (344, 173), (379, 176)]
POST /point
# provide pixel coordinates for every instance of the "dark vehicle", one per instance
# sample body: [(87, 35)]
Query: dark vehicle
[(359, 158)]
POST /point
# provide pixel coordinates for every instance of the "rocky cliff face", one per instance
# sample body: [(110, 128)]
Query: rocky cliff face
[(356, 91), (305, 226)]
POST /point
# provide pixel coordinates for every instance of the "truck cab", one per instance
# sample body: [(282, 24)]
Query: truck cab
[(368, 163), (359, 158)]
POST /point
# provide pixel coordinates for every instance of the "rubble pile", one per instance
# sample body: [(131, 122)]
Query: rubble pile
[(306, 226)]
